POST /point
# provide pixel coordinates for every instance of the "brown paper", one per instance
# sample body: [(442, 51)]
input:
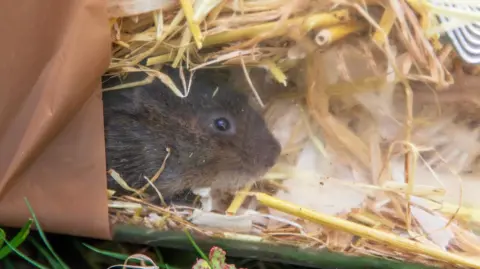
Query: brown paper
[(53, 53)]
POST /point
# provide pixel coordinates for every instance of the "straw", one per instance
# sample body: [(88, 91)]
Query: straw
[(366, 232), (354, 113)]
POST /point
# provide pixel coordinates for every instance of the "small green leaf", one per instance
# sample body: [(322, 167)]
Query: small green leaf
[(16, 241), (217, 257), (201, 264)]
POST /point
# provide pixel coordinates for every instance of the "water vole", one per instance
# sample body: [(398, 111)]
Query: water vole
[(216, 139)]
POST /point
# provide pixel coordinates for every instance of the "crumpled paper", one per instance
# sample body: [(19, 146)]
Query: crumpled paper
[(51, 117)]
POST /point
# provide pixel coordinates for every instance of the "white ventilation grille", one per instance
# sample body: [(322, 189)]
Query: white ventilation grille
[(463, 26)]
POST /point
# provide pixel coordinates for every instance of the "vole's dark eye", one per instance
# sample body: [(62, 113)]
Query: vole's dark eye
[(222, 124)]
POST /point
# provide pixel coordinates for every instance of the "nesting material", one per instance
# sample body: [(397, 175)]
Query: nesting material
[(377, 119)]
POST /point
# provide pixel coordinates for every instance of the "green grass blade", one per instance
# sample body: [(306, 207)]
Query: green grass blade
[(159, 256), (2, 235), (197, 248), (44, 238), (25, 257), (16, 241), (120, 256), (86, 256), (45, 253)]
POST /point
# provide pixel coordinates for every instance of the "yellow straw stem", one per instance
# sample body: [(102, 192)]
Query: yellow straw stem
[(238, 200), (183, 47), (364, 231), (386, 23), (306, 23), (337, 32), (161, 59), (466, 213), (194, 27), (276, 72)]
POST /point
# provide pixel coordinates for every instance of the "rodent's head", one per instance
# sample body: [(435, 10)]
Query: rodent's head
[(240, 146), (216, 138)]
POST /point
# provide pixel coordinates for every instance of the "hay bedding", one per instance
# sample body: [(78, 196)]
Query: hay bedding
[(379, 135)]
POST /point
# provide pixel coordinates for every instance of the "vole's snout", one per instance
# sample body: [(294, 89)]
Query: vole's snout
[(270, 153)]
